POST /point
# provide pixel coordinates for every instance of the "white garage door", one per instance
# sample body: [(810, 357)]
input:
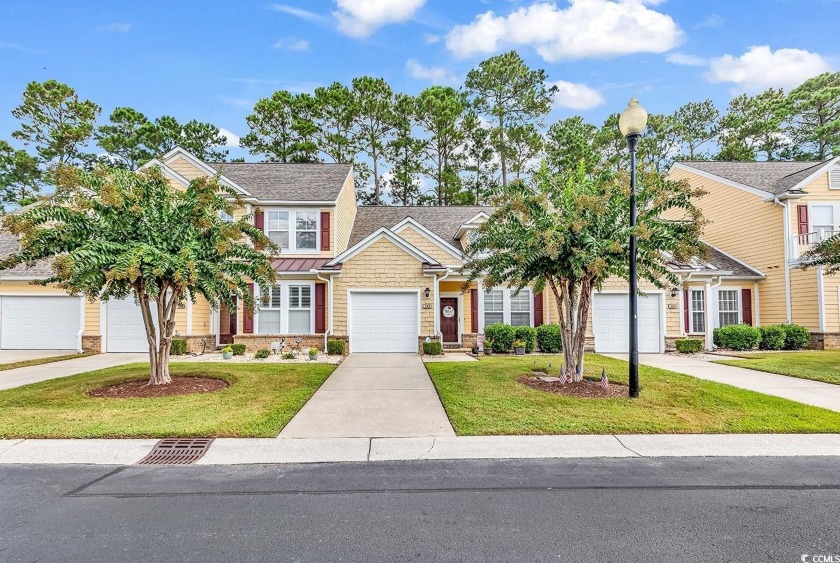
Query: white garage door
[(125, 331), (610, 320), (384, 322), (40, 323)]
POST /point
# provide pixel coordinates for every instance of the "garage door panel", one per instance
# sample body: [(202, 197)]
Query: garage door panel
[(125, 331), (611, 320), (40, 323), (383, 322)]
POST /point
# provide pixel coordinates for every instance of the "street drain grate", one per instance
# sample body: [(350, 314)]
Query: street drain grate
[(177, 451)]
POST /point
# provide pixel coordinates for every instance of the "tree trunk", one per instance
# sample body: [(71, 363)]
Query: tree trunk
[(502, 155), (160, 338), (574, 298)]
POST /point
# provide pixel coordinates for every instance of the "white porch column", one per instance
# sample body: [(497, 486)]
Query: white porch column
[(710, 327), (480, 292)]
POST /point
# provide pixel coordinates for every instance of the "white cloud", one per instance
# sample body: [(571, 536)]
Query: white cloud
[(760, 68), (434, 74), (686, 60), (292, 44), (713, 21), (232, 138), (431, 38), (585, 28), (115, 27), (298, 12), (360, 18), (576, 96)]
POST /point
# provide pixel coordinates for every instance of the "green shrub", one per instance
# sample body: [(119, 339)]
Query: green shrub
[(432, 348), (227, 350), (528, 336), (335, 347), (262, 353), (313, 351), (796, 337), (288, 356), (772, 337), (688, 345), (502, 336), (238, 349), (179, 346), (737, 337), (549, 338)]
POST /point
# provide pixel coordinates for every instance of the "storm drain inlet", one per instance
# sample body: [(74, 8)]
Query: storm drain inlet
[(177, 451)]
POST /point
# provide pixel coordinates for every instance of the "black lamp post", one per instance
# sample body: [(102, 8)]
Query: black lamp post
[(632, 123)]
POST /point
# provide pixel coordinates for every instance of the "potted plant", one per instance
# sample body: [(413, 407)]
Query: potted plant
[(227, 352), (488, 347), (313, 354), (519, 347)]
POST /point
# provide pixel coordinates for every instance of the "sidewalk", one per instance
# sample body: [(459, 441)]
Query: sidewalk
[(244, 451), (33, 374), (814, 393)]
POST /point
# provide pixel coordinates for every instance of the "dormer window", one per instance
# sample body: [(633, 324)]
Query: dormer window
[(292, 230), (472, 234)]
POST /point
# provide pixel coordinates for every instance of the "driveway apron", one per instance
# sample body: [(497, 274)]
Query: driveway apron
[(372, 396), (33, 374)]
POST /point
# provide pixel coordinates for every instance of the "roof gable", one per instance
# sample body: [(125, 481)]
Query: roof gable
[(761, 178), (410, 223), (383, 233), (288, 183)]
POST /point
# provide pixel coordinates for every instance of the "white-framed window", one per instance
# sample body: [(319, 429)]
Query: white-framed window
[(729, 307), (697, 308), (293, 230), (502, 305), (225, 216), (288, 310), (822, 221)]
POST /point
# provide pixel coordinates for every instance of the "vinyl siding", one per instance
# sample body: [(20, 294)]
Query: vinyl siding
[(423, 243), (185, 169), (344, 216)]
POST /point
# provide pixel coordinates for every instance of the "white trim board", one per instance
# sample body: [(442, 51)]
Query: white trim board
[(382, 232), (410, 222), (731, 183), (178, 152)]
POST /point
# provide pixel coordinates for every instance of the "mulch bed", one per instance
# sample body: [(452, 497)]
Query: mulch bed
[(584, 389), (179, 386)]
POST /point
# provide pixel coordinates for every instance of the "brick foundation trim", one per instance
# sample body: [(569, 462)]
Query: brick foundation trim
[(825, 341), (196, 343), (92, 344)]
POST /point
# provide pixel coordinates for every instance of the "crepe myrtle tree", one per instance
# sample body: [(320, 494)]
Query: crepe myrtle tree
[(569, 232), (112, 233)]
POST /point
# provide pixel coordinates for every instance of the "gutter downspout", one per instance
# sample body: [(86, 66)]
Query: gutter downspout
[(786, 231), (821, 298), (327, 334), (79, 334)]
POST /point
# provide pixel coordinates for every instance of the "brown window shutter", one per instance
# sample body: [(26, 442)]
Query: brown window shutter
[(248, 313), (538, 309), (474, 310), (802, 218), (320, 308), (259, 223), (325, 230), (686, 313), (746, 306)]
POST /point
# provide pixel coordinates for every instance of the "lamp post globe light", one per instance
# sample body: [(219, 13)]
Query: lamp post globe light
[(632, 123)]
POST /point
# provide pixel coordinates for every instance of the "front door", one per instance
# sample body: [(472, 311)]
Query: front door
[(449, 319), (227, 323)]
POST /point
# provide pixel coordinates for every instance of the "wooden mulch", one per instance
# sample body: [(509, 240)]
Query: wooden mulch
[(584, 389), (140, 389)]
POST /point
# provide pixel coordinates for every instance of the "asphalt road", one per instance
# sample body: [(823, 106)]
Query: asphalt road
[(598, 510)]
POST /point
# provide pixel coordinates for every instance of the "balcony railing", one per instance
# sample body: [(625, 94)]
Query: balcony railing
[(800, 244)]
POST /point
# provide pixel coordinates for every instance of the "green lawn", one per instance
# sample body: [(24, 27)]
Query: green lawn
[(819, 365), (261, 399), (40, 361), (484, 398)]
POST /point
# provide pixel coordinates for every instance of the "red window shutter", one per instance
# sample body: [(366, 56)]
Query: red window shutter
[(248, 313), (474, 310), (746, 306), (325, 230), (538, 309), (320, 308), (802, 218), (259, 223), (686, 313)]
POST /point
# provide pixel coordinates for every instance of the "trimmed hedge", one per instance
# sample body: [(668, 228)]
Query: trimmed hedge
[(433, 348), (335, 347), (796, 337), (688, 345), (502, 336), (528, 336), (238, 349), (772, 337), (262, 353), (737, 337), (179, 347), (549, 338)]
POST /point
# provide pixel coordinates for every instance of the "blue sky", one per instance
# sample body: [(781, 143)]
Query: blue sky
[(211, 60)]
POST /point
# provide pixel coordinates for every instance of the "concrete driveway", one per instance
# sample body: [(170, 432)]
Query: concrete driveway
[(33, 374), (373, 395), (12, 356)]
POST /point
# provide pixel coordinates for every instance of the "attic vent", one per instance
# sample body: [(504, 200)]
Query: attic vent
[(834, 178)]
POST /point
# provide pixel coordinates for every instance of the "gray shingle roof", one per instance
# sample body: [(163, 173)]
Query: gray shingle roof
[(277, 181), (8, 246), (443, 221), (715, 260), (772, 177)]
